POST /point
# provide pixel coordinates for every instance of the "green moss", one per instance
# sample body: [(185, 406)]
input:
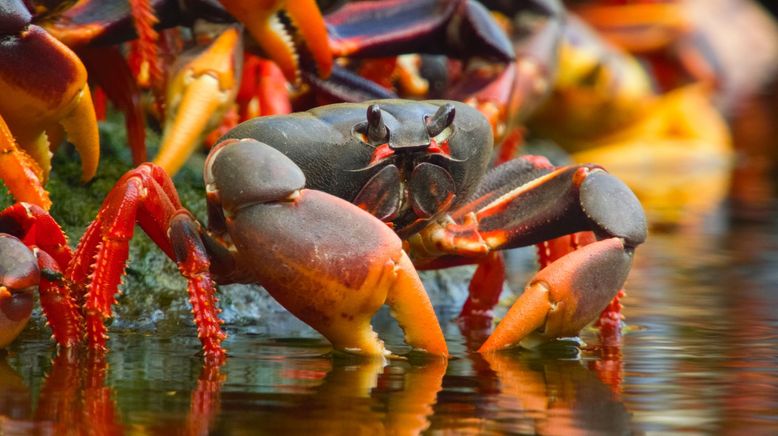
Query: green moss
[(152, 290)]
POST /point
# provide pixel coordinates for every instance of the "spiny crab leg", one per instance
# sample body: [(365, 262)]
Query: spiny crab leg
[(43, 83), (145, 196), (261, 19), (524, 202), (21, 174), (37, 231), (198, 94)]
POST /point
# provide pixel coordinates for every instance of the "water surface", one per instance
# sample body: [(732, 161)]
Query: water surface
[(699, 356)]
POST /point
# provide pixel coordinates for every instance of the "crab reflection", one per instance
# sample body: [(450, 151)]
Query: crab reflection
[(342, 395), (76, 396)]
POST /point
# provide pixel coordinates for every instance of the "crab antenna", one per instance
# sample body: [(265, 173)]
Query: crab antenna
[(442, 119), (376, 130)]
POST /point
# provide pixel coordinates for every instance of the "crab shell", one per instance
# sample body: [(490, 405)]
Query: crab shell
[(405, 177)]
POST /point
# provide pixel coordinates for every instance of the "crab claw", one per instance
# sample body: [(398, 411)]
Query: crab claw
[(19, 276), (43, 83), (198, 95), (293, 242), (565, 296), (263, 21)]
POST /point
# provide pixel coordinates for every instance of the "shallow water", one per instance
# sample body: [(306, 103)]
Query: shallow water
[(699, 356)]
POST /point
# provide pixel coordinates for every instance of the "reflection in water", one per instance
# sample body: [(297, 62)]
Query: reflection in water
[(700, 356)]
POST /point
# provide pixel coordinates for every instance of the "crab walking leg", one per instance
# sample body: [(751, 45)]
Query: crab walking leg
[(21, 174), (42, 234), (33, 225), (58, 302), (109, 71), (145, 196)]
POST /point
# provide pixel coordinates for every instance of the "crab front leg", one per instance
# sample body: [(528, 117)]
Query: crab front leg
[(146, 196), (519, 204), (324, 259)]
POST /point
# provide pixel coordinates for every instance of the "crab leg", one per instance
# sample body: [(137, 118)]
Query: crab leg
[(21, 174), (109, 70), (379, 29), (146, 196), (39, 232)]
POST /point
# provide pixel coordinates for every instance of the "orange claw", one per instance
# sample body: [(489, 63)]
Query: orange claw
[(261, 20), (21, 174), (198, 95), (43, 84), (564, 297)]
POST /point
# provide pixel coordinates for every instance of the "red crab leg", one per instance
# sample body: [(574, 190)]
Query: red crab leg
[(58, 302), (485, 287), (38, 230), (35, 226), (110, 71), (146, 196)]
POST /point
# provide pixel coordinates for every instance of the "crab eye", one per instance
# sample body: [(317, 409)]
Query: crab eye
[(439, 126), (374, 131)]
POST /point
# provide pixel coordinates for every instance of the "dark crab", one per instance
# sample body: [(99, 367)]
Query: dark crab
[(313, 206)]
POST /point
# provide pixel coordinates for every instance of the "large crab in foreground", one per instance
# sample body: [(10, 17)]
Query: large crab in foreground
[(315, 207)]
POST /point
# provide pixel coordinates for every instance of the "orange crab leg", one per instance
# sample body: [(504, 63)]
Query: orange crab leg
[(21, 174), (637, 27), (198, 95), (261, 20)]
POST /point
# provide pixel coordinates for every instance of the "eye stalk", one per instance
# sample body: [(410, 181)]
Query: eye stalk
[(376, 129), (437, 124)]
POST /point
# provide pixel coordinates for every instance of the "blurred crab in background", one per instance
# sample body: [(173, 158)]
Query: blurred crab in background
[(51, 45)]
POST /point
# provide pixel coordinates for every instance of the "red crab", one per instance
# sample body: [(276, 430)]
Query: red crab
[(315, 206), (50, 45)]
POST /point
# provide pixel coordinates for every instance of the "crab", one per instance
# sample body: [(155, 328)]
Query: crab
[(50, 45), (44, 89), (409, 180)]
